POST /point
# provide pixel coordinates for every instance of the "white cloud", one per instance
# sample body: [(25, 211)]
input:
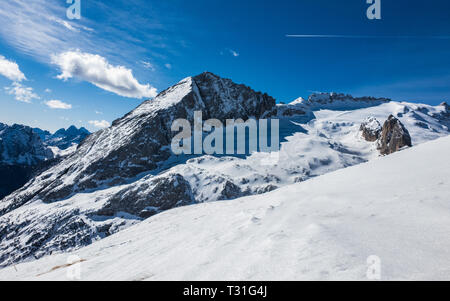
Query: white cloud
[(168, 66), (99, 123), (58, 104), (98, 113), (21, 93), (48, 90), (10, 70), (99, 72)]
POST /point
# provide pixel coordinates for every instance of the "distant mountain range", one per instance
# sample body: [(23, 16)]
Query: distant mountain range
[(126, 173), (62, 138), (25, 151)]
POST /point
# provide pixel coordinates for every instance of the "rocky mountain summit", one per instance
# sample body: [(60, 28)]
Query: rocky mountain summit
[(123, 174)]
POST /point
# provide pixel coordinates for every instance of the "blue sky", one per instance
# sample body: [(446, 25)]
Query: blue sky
[(150, 45)]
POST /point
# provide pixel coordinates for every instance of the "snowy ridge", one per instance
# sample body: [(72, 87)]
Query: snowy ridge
[(323, 229)]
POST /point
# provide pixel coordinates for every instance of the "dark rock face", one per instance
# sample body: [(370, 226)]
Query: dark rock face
[(292, 112), (371, 129), (230, 191), (394, 136), (150, 197)]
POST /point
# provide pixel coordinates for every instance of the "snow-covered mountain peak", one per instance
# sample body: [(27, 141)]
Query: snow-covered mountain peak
[(297, 101), (165, 99)]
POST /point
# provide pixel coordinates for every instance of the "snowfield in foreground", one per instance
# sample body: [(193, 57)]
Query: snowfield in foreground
[(395, 207)]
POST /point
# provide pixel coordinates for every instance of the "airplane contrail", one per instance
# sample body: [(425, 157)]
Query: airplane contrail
[(364, 36)]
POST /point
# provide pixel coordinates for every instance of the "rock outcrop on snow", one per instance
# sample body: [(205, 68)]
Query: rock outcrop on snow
[(394, 136), (370, 129), (150, 197)]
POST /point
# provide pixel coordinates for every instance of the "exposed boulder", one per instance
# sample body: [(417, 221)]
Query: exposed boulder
[(394, 136), (371, 129), (150, 197)]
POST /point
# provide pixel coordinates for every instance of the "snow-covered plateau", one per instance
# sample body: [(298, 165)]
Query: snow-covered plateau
[(394, 207)]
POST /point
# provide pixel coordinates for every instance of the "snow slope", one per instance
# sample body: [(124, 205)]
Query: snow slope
[(395, 207)]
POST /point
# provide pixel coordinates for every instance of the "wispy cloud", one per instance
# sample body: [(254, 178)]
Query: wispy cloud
[(33, 28), (39, 28), (99, 123), (96, 70), (168, 66), (58, 104), (234, 53), (11, 70), (148, 65), (21, 93)]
